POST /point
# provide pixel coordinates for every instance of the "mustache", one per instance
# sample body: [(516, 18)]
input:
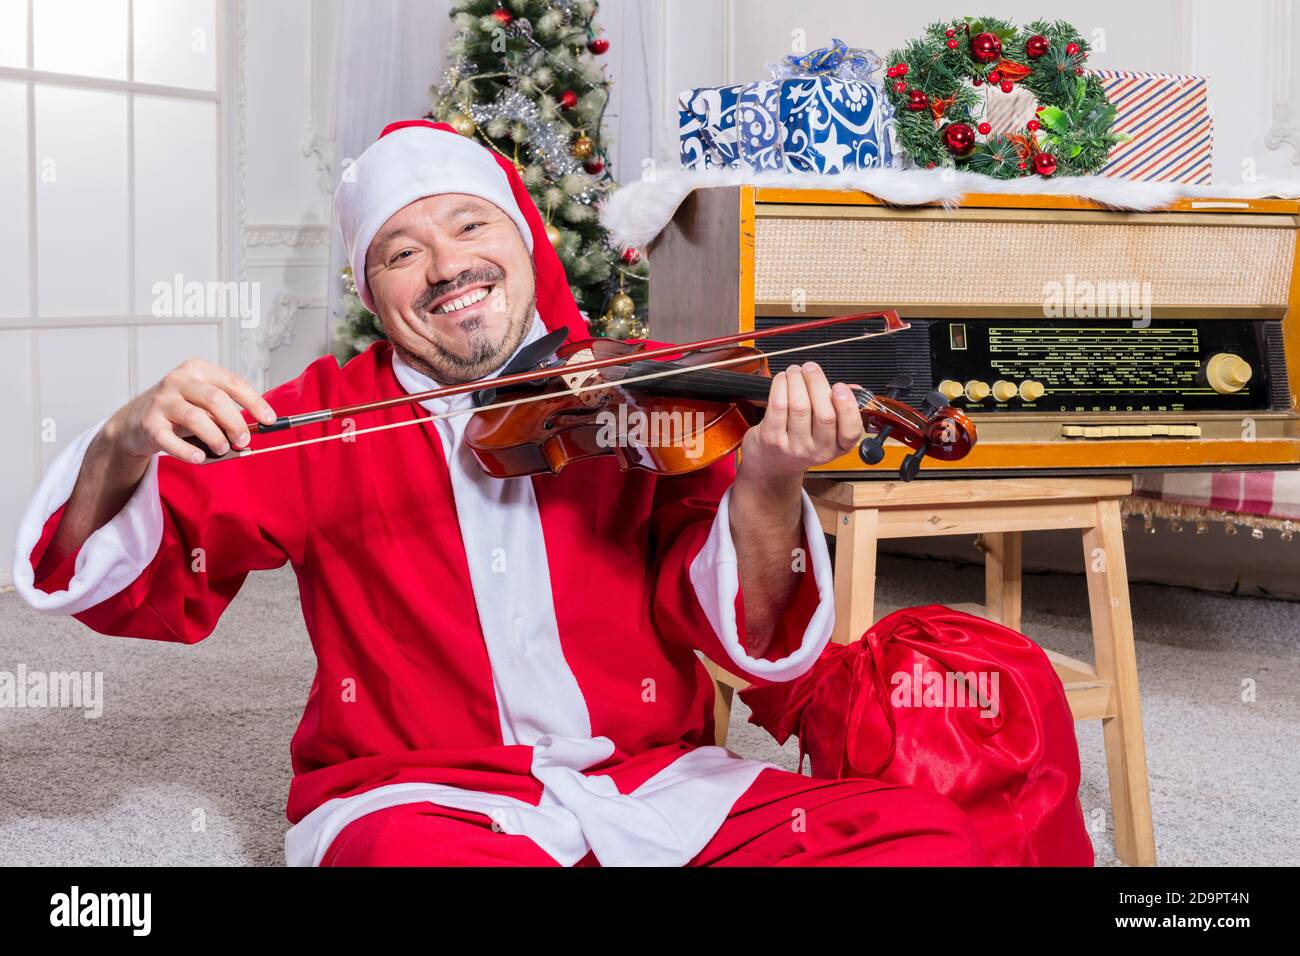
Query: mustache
[(466, 278)]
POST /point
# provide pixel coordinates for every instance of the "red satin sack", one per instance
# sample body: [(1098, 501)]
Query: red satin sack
[(891, 707)]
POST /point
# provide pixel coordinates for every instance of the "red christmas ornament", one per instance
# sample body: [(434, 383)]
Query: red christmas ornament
[(917, 101), (598, 46), (900, 87), (1036, 46), (594, 167), (1032, 125), (502, 16), (984, 129), (952, 44), (1021, 165), (891, 73), (568, 99), (958, 138), (1071, 49), (1007, 86), (976, 81), (994, 76), (985, 47), (950, 32), (631, 255), (1044, 164)]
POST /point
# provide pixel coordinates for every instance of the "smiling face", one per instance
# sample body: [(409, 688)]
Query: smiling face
[(454, 286)]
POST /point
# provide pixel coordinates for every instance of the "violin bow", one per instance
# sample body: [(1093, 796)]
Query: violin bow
[(893, 324)]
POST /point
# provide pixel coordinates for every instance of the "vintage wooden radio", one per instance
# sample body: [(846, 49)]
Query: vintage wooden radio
[(1078, 339)]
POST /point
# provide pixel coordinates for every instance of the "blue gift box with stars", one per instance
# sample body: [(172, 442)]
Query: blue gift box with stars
[(820, 113)]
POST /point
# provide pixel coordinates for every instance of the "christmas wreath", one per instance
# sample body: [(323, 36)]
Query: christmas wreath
[(940, 86)]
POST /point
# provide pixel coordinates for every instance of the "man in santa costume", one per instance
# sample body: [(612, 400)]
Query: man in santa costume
[(507, 670)]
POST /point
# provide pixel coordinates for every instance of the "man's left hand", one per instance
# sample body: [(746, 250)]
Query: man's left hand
[(807, 423)]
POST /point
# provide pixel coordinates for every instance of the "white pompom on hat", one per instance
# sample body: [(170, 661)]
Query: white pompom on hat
[(411, 160)]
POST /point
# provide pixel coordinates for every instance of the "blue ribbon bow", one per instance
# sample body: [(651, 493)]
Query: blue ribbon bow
[(838, 58)]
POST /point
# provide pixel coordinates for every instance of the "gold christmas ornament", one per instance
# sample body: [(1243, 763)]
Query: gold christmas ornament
[(583, 147), (463, 124), (622, 306), (553, 234)]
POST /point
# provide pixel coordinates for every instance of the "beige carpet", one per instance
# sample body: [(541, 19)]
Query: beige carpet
[(189, 762)]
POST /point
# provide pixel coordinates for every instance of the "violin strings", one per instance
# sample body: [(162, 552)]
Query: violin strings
[(528, 399)]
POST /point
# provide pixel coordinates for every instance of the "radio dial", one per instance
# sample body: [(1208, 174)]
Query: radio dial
[(1030, 390), (1004, 391), (951, 389), (977, 391), (1228, 373)]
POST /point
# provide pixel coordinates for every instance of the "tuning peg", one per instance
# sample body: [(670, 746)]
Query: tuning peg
[(911, 465), (932, 404), (872, 448), (898, 385)]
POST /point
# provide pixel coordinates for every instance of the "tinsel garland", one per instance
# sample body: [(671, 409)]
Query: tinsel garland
[(1179, 515)]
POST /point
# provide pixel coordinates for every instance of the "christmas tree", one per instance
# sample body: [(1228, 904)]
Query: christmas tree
[(524, 79)]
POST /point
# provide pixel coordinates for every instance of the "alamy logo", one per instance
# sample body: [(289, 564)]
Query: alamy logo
[(922, 688), (103, 909), (80, 690)]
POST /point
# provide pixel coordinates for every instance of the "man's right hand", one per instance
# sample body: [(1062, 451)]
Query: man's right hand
[(195, 398)]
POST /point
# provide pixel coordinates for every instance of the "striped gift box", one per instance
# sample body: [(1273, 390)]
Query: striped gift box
[(1168, 118)]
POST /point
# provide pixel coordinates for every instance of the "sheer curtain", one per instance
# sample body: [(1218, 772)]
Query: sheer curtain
[(389, 53)]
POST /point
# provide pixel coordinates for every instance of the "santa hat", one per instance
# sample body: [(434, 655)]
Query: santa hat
[(412, 159)]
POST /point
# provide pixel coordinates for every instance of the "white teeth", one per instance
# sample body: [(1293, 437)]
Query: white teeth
[(464, 302)]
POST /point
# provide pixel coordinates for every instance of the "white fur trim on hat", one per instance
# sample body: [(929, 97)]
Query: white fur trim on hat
[(405, 165)]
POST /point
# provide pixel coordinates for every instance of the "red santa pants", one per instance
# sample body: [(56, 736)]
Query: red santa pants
[(783, 819)]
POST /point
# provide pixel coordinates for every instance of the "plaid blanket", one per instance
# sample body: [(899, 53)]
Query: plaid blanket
[(1269, 498)]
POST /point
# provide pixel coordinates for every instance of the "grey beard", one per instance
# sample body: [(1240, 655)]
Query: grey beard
[(448, 368)]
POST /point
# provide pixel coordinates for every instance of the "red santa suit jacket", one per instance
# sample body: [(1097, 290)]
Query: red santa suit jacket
[(524, 648)]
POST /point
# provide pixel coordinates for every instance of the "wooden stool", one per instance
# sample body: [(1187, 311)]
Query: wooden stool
[(861, 513)]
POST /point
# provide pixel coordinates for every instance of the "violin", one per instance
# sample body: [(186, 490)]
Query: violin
[(667, 409), (674, 417)]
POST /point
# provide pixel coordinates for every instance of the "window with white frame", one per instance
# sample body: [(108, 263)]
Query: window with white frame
[(110, 202)]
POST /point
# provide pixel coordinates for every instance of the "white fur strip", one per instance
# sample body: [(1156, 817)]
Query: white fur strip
[(636, 213)]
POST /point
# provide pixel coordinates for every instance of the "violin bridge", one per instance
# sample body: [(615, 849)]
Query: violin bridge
[(583, 379)]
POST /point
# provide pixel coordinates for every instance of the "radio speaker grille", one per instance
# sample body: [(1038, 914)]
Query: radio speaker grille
[(872, 363), (956, 260)]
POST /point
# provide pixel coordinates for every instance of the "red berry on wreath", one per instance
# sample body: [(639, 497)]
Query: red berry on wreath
[(900, 69), (890, 73), (1044, 164), (952, 44), (1078, 71), (1032, 125), (1036, 46), (568, 99), (950, 32), (1021, 166), (631, 255), (984, 129), (502, 16), (598, 46), (917, 101), (958, 138), (1007, 86), (976, 81), (900, 87), (1071, 49), (985, 47), (994, 76)]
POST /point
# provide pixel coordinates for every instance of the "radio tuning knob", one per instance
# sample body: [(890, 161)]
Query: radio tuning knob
[(951, 390), (1030, 390), (976, 391), (1228, 373), (1004, 391)]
